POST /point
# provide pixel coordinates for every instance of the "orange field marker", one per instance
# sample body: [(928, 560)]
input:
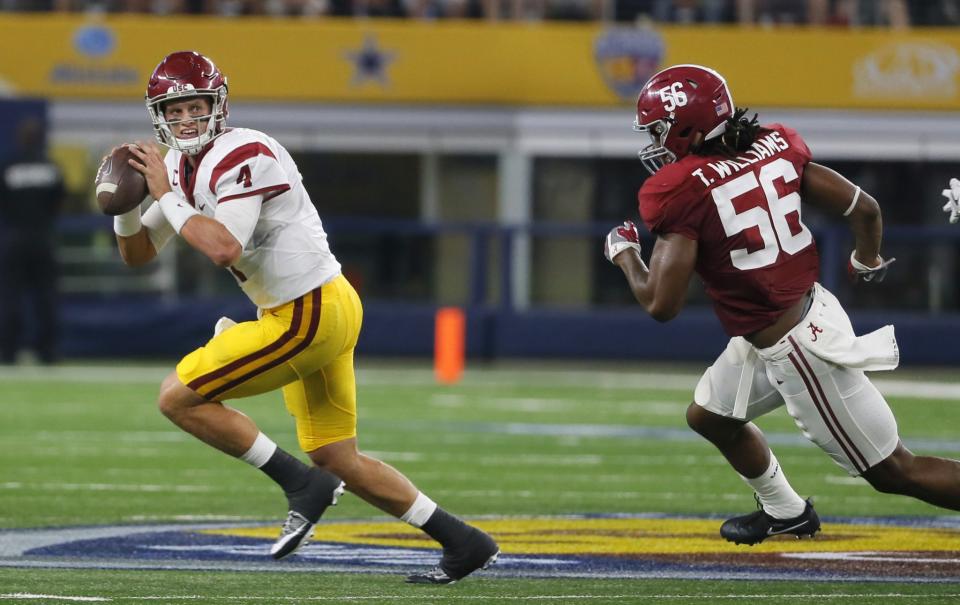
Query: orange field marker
[(449, 344)]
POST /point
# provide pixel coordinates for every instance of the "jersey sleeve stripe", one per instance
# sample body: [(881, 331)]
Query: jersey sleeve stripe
[(234, 158), (273, 191)]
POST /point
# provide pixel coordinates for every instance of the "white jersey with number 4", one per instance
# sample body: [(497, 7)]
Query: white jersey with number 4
[(246, 180)]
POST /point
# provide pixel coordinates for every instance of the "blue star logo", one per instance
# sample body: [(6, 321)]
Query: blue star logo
[(370, 62)]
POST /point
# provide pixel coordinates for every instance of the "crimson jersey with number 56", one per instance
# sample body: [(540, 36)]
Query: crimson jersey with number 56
[(754, 254)]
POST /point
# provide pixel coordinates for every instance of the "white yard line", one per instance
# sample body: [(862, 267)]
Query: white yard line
[(440, 598), (498, 377), (50, 597), (106, 487)]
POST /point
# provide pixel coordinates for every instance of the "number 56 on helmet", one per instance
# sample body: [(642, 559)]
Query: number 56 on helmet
[(678, 107)]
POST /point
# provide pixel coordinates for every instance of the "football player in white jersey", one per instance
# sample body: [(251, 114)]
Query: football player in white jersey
[(236, 195)]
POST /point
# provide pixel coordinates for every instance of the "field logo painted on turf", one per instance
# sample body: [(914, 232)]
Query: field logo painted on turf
[(605, 546)]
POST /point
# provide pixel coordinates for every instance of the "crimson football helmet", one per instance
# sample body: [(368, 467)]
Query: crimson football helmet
[(179, 76), (676, 105)]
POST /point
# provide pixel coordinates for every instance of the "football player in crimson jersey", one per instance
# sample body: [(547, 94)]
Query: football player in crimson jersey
[(723, 200), (236, 195)]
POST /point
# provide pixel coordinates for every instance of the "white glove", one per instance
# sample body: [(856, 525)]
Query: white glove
[(621, 238), (953, 200)]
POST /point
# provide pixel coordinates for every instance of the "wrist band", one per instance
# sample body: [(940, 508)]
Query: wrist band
[(176, 210), (127, 224), (860, 266), (853, 204)]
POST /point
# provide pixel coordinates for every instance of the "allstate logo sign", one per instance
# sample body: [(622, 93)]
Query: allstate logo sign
[(627, 58), (907, 69), (91, 66)]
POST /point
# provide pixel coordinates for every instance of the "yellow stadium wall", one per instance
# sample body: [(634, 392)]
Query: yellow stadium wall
[(459, 62)]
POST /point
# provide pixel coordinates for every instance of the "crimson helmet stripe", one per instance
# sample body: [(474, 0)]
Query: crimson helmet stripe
[(234, 158)]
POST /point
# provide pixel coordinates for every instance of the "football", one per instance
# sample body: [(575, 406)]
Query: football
[(120, 187)]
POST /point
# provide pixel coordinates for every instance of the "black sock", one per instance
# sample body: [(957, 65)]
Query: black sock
[(444, 527), (289, 472)]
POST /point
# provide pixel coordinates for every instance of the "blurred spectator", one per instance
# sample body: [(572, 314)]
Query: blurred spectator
[(31, 194), (573, 10), (690, 11), (445, 9), (892, 13), (231, 8), (882, 13), (685, 12), (26, 5), (781, 12), (157, 7), (935, 12), (367, 8)]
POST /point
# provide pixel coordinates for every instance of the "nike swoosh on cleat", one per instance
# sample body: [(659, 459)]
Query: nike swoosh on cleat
[(770, 531)]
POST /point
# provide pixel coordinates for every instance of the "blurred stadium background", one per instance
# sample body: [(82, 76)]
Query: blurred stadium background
[(473, 154)]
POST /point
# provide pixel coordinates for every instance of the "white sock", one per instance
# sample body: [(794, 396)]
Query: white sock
[(776, 496), (420, 511), (259, 453)]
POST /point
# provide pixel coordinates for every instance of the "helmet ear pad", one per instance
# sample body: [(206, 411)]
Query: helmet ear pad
[(682, 140)]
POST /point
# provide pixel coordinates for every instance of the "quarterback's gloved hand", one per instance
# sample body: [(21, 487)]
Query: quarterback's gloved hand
[(952, 207), (858, 271), (620, 238)]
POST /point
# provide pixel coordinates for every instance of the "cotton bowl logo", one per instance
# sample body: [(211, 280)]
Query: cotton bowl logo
[(911, 69), (627, 58), (94, 41)]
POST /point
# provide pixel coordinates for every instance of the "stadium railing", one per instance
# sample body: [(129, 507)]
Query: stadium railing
[(103, 302)]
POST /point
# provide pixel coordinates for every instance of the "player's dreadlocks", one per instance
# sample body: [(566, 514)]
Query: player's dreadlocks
[(740, 134)]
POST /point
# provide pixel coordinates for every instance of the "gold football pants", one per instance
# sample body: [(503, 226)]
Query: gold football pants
[(304, 347)]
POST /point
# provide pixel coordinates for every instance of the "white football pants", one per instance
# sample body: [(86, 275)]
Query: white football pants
[(817, 370)]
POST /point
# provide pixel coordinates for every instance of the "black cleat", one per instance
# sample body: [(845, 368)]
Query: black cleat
[(306, 506), (478, 551), (758, 526)]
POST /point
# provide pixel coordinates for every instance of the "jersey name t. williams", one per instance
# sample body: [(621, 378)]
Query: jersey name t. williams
[(754, 254)]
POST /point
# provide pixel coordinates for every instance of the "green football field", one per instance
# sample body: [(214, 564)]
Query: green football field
[(85, 446)]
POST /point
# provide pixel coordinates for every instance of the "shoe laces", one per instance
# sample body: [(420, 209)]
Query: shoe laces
[(293, 523), (437, 573)]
